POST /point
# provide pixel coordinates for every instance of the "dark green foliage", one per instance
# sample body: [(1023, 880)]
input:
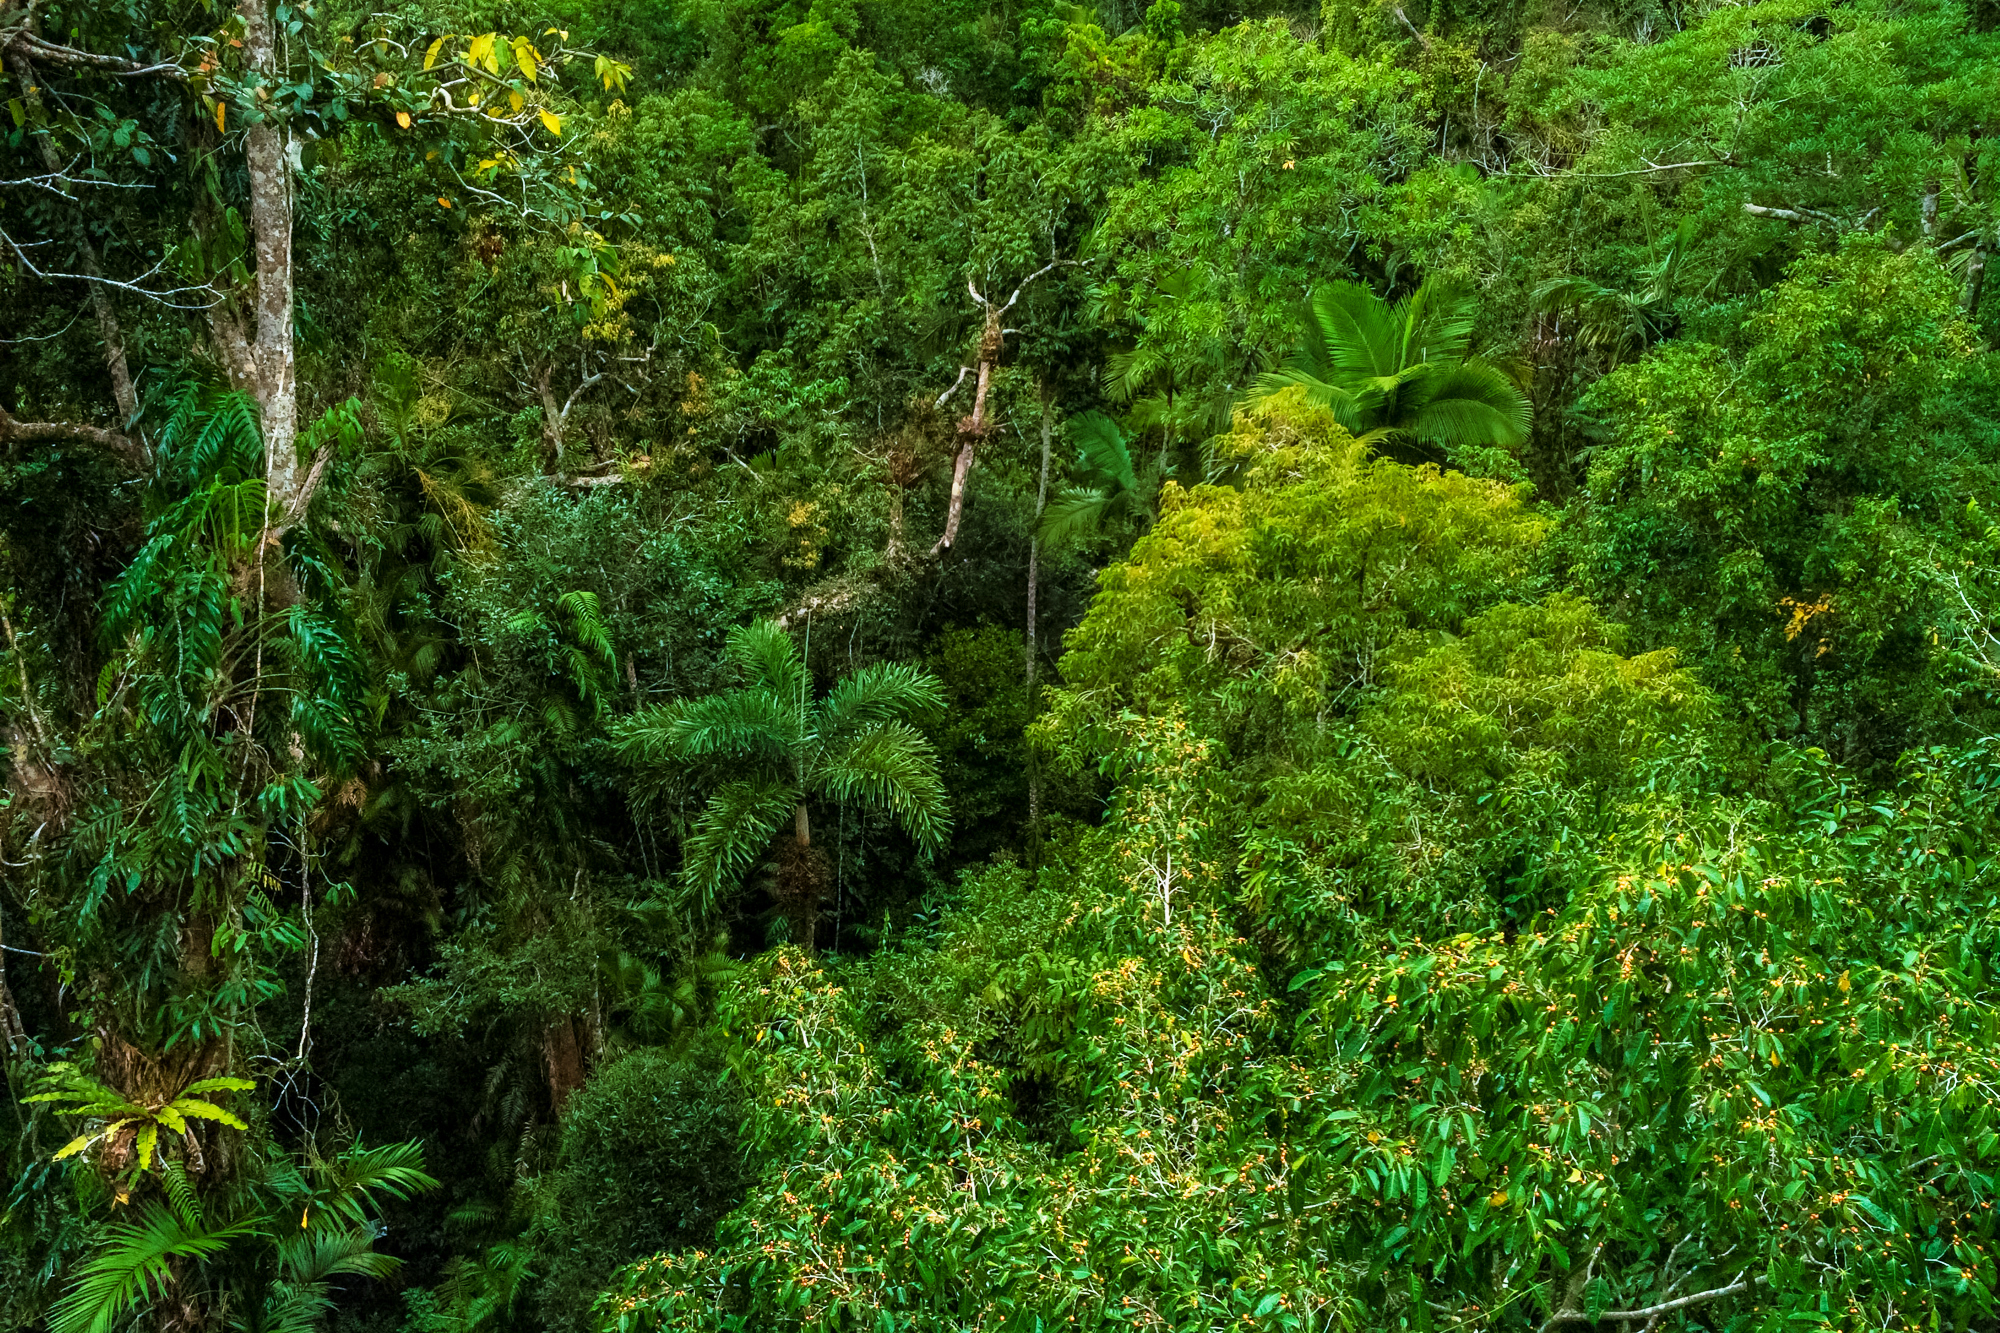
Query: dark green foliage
[(1495, 835), (650, 1161)]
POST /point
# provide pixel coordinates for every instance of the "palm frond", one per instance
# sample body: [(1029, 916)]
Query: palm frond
[(886, 692), (1471, 404), (1359, 333), (134, 1266), (1073, 515), (748, 723), (1103, 452), (892, 767), (352, 1184), (316, 1253), (735, 827), (1351, 409), (287, 1308), (1127, 373), (766, 655), (1437, 322)]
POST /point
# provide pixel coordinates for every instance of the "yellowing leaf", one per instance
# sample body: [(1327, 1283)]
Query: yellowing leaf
[(443, 202), (149, 1138), (431, 56), (172, 1119), (525, 57), (1844, 984), (208, 1111), (403, 119), (1496, 1198), (551, 122), (516, 101), (481, 52), (221, 110), (73, 1147)]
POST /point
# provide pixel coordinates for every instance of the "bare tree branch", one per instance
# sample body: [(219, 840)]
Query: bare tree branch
[(1736, 1288), (944, 397), (14, 431), (28, 44), (164, 296)]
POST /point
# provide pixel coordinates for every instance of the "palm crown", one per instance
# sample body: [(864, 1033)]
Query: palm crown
[(1402, 370), (774, 747), (1108, 483)]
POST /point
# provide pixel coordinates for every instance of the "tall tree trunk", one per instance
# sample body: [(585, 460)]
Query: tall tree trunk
[(972, 428), (263, 357), (1034, 574)]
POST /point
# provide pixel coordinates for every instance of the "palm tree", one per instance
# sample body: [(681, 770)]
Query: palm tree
[(1614, 323), (1108, 484), (1401, 372), (773, 748)]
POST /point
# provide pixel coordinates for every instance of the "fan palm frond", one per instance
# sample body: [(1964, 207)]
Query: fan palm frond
[(1435, 324), (1401, 370), (1472, 403), (1351, 408)]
